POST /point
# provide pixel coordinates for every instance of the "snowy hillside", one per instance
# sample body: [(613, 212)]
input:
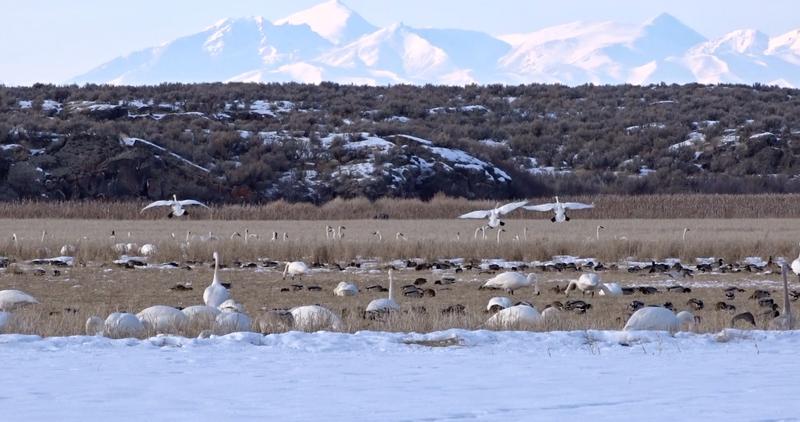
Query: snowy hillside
[(331, 42)]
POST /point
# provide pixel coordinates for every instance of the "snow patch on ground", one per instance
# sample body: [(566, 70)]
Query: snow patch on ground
[(300, 376)]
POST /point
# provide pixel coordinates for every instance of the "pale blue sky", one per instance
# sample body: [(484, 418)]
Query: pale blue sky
[(51, 41)]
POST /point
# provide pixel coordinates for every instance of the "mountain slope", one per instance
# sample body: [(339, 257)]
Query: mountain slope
[(331, 42), (331, 20)]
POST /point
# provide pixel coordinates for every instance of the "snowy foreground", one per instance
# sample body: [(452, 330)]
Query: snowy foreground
[(514, 376)]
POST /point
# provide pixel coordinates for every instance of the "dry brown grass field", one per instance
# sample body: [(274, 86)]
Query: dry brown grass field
[(95, 286), (440, 207)]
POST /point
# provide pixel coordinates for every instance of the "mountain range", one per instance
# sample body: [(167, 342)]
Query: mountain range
[(331, 42)]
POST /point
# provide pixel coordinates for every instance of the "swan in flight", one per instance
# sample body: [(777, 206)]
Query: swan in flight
[(512, 280), (560, 209), (657, 318), (494, 214), (215, 293), (384, 304), (175, 205)]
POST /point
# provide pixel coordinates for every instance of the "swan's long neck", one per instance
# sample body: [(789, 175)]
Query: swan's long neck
[(44, 233), (390, 286), (597, 235), (535, 283), (285, 270), (216, 268), (786, 306), (498, 236), (684, 233)]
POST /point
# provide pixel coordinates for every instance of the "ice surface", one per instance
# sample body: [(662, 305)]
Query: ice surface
[(487, 375)]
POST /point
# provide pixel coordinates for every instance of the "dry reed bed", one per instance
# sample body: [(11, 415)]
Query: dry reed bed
[(731, 239), (68, 300), (440, 207)]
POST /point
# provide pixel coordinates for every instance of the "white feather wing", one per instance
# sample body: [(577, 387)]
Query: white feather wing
[(476, 214)]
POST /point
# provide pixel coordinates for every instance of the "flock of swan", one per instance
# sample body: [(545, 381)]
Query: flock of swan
[(221, 314)]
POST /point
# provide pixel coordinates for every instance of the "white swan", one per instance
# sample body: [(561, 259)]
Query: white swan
[(315, 318), (176, 206), (163, 319), (500, 302), (345, 289), (231, 305), (494, 214), (611, 289), (123, 325), (13, 299), (519, 316), (295, 268), (683, 237), (560, 209), (512, 280), (597, 233), (550, 313), (589, 282), (148, 249), (384, 304), (215, 293), (657, 318), (68, 250), (796, 267), (232, 319), (201, 317)]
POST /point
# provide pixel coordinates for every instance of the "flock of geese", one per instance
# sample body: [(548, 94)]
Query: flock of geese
[(221, 314)]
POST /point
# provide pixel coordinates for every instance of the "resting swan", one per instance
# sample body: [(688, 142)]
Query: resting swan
[(13, 299), (519, 316), (659, 319), (345, 289), (201, 317), (117, 325), (315, 318), (163, 319)]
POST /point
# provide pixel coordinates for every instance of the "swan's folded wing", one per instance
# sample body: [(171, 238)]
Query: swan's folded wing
[(186, 202), (542, 207), (164, 203), (507, 208), (577, 205), (475, 214)]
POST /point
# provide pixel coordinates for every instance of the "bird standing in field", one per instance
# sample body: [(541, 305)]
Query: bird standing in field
[(215, 293), (176, 206)]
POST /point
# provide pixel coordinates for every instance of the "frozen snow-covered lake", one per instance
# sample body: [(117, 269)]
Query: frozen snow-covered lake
[(372, 376)]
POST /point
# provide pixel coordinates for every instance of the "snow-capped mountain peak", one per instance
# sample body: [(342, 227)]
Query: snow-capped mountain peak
[(742, 41), (332, 20), (331, 42)]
